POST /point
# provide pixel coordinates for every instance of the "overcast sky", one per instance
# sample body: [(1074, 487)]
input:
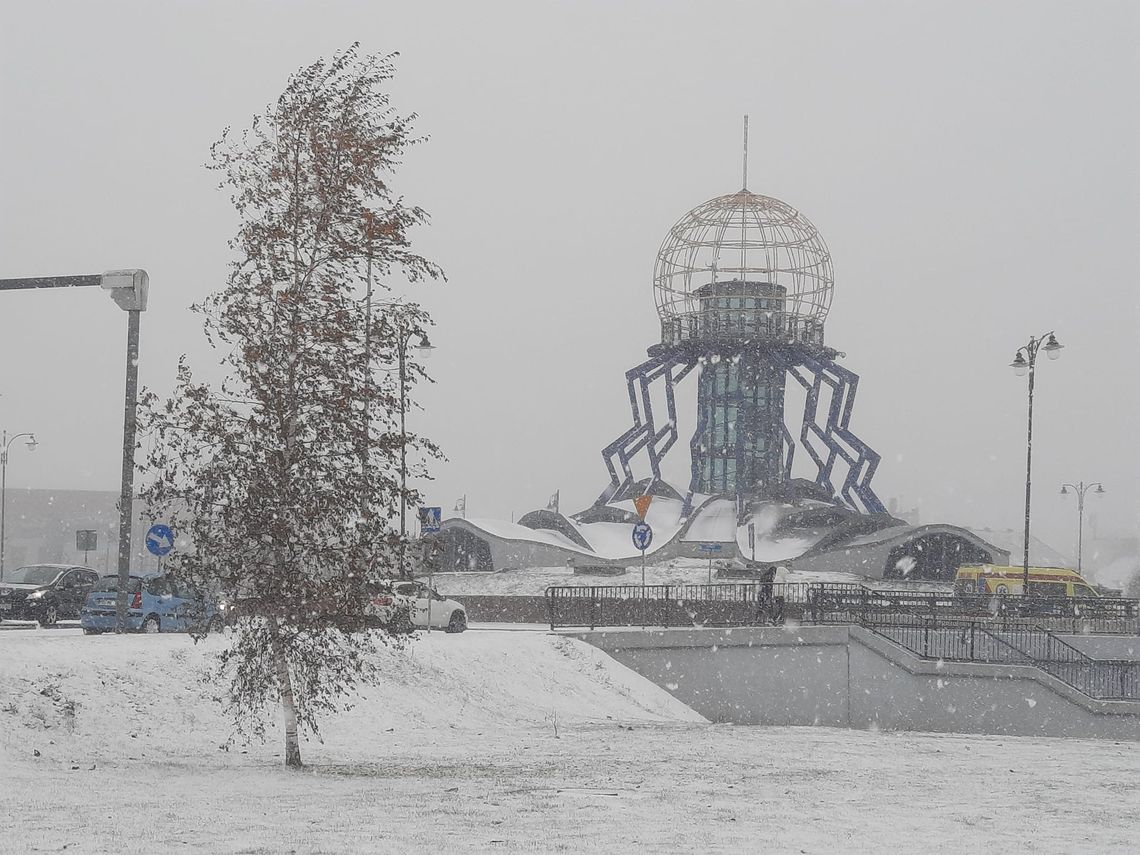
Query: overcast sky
[(974, 168)]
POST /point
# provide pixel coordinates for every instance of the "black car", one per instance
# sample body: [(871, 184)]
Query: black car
[(45, 592)]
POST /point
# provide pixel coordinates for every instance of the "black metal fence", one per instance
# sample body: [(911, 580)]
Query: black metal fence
[(1102, 615), (675, 605), (1011, 644), (745, 604)]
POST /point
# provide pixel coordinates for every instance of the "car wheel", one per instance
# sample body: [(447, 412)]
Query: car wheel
[(150, 624), (92, 632), (458, 622), (51, 615)]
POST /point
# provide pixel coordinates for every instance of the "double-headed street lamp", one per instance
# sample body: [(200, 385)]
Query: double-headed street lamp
[(5, 444), (403, 334), (1080, 488), (1025, 360)]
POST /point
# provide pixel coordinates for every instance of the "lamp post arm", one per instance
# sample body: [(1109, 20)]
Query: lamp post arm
[(11, 439)]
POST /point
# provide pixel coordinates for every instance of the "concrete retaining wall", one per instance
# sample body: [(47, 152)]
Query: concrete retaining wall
[(847, 677), (1106, 646)]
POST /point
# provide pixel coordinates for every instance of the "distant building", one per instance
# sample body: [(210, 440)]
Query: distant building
[(40, 527)]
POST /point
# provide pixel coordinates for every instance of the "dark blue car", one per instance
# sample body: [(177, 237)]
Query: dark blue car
[(155, 604)]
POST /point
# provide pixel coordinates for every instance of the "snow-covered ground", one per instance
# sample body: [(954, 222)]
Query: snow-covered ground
[(507, 742)]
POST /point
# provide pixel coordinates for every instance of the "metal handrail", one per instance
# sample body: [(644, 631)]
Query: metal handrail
[(1105, 679)]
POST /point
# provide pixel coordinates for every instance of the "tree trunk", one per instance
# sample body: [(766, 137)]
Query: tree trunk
[(285, 686)]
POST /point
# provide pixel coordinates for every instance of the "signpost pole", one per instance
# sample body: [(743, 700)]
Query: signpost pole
[(126, 494), (642, 539), (430, 521)]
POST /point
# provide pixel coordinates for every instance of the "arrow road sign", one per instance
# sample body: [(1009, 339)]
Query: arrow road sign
[(159, 540), (642, 536)]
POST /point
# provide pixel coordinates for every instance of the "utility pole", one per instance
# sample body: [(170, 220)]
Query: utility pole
[(127, 487), (129, 289)]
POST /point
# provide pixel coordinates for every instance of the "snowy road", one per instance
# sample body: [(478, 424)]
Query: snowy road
[(509, 742)]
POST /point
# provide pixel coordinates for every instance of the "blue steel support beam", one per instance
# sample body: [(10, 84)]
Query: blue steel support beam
[(644, 434), (856, 489), (790, 445), (833, 435), (811, 373)]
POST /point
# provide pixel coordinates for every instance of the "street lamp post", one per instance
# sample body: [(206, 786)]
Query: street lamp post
[(5, 444), (1025, 360), (369, 232), (403, 336), (1080, 488)]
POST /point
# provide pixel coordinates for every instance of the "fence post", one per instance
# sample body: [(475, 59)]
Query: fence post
[(973, 627), (926, 640), (593, 609), (668, 608)]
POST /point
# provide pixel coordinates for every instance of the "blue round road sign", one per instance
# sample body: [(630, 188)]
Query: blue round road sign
[(642, 536), (159, 540)]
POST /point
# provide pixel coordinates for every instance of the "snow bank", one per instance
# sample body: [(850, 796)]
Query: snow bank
[(714, 522), (86, 699)]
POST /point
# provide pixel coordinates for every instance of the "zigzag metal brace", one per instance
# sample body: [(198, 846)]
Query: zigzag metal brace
[(810, 370)]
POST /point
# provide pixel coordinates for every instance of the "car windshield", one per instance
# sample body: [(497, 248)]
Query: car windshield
[(111, 583), (37, 574)]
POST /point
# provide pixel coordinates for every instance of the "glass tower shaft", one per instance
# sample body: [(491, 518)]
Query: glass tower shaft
[(740, 401)]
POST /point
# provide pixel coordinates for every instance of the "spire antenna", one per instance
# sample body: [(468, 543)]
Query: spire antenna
[(745, 184)]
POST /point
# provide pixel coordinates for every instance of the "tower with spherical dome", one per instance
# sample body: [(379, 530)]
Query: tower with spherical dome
[(743, 284)]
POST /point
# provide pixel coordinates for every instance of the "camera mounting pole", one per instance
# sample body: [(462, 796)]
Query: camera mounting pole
[(129, 290)]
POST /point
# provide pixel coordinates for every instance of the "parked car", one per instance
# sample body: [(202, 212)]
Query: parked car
[(45, 592), (402, 606), (156, 604)]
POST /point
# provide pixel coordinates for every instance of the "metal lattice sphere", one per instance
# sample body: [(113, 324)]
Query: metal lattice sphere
[(740, 267)]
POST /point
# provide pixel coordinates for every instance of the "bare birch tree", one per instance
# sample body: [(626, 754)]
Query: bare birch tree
[(285, 478)]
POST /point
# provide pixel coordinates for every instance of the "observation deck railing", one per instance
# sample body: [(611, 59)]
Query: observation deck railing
[(733, 325)]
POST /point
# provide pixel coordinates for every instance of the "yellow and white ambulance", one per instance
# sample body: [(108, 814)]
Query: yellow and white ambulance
[(1043, 581)]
